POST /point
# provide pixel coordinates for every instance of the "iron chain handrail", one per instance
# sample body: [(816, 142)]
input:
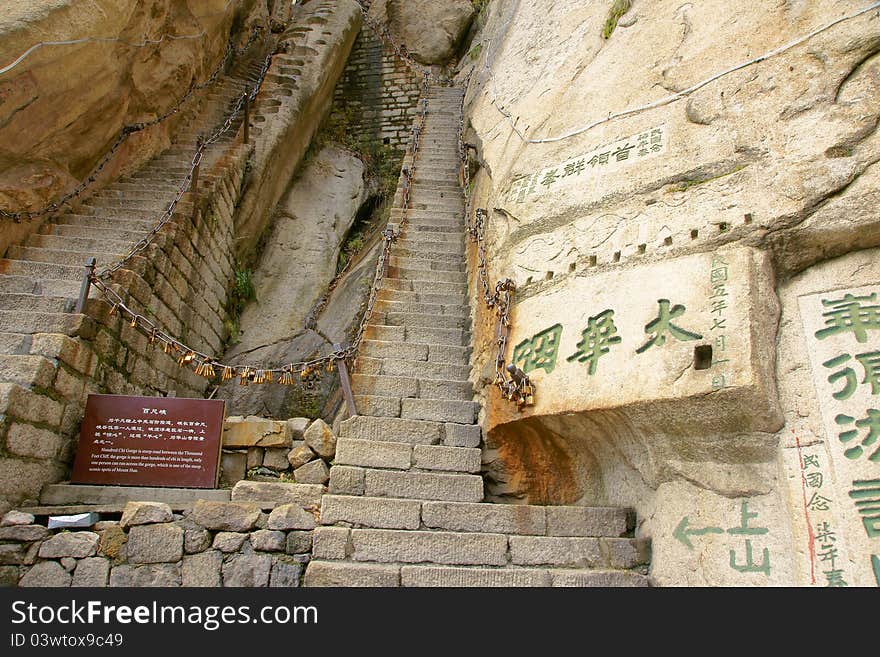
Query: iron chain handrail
[(209, 366), (514, 384)]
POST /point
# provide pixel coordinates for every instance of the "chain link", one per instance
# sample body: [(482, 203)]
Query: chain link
[(130, 129), (209, 366), (514, 384)]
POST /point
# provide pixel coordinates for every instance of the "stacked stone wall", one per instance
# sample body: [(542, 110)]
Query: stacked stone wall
[(378, 93), (212, 543)]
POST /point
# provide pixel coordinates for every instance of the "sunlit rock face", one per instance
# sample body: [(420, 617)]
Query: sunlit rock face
[(63, 106), (679, 233)]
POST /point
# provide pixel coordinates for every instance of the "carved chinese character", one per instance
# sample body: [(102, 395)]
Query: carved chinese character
[(662, 324), (595, 340)]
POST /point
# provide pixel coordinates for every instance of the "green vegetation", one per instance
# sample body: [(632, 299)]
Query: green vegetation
[(618, 9), (242, 291), (381, 167), (474, 53)]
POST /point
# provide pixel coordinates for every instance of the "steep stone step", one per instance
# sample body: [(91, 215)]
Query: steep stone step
[(423, 287), (510, 519), (437, 410), (437, 576), (35, 303), (42, 287), (90, 232), (425, 239), (560, 521), (403, 296), (426, 274), (404, 456), (435, 228), (578, 552), (409, 307), (40, 269), (114, 223), (435, 353), (417, 334), (367, 574), (423, 485), (451, 258), (59, 257), (381, 429), (403, 262), (13, 321), (18, 285), (393, 318), (455, 245), (377, 405), (401, 386), (392, 545), (80, 244), (423, 370)]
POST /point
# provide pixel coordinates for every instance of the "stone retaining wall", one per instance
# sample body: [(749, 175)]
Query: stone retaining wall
[(261, 542), (378, 93), (180, 282)]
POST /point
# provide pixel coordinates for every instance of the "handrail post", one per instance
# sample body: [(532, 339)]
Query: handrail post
[(86, 286), (346, 383)]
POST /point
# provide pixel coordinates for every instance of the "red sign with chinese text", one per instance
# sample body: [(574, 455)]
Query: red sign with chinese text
[(150, 441)]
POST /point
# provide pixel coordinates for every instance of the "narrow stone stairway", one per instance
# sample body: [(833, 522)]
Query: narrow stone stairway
[(405, 505), (40, 280)]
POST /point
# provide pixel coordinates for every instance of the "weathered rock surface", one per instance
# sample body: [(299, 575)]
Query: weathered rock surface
[(319, 437), (430, 30), (70, 544), (62, 106), (776, 160), (13, 517), (293, 272), (226, 516), (155, 543), (46, 574), (290, 516), (145, 513)]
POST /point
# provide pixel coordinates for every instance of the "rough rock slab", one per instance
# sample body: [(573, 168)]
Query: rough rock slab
[(268, 495), (329, 573)]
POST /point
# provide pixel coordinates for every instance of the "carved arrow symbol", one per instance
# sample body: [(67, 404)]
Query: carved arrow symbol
[(682, 533)]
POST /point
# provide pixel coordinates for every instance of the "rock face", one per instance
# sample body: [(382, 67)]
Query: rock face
[(430, 30), (62, 106), (292, 274), (675, 269)]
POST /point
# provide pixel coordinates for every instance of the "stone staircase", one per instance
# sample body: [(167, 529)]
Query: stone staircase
[(405, 504), (40, 280)]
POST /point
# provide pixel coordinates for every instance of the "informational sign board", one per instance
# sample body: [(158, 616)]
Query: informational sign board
[(150, 441)]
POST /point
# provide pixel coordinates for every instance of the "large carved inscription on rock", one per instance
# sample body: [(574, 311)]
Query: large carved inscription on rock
[(696, 332), (842, 330)]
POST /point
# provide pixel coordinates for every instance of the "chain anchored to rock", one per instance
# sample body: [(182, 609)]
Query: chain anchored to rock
[(304, 372), (402, 52), (514, 384), (130, 129)]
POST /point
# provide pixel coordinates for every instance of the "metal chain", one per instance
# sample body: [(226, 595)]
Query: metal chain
[(514, 384), (130, 129), (400, 49), (309, 370)]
